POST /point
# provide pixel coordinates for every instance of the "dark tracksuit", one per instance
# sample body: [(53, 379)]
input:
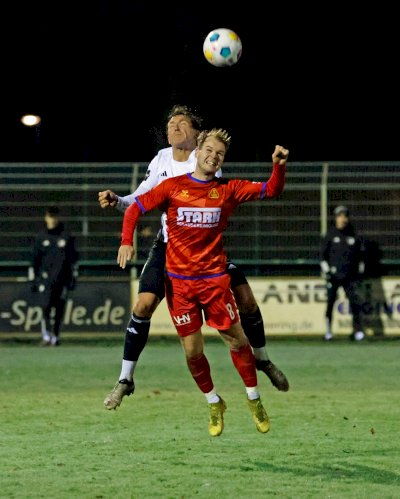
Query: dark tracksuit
[(54, 257), (343, 251)]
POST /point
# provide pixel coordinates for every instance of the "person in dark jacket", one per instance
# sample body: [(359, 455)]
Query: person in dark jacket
[(53, 273), (342, 265)]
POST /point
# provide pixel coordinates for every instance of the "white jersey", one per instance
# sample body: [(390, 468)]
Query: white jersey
[(162, 166)]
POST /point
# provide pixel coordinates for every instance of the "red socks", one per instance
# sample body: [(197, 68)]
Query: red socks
[(244, 361), (200, 369)]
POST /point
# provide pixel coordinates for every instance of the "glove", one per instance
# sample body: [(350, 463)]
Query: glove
[(326, 271)]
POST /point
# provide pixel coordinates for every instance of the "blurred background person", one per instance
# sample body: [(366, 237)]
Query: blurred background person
[(342, 265), (53, 273)]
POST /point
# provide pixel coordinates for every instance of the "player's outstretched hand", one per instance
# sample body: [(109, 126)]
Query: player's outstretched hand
[(280, 155), (125, 253), (107, 198)]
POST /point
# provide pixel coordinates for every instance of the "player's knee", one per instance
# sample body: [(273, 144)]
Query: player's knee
[(237, 343), (247, 306), (146, 305)]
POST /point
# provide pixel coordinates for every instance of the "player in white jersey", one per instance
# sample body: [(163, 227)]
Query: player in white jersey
[(163, 166), (183, 128)]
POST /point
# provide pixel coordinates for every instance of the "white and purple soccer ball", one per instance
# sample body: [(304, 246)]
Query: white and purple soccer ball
[(222, 47)]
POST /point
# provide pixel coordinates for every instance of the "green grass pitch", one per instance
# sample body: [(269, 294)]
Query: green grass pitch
[(334, 434)]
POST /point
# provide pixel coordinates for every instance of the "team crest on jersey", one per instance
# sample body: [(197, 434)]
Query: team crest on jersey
[(213, 194), (184, 194)]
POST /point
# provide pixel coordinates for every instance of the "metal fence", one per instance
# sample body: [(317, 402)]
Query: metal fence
[(278, 233)]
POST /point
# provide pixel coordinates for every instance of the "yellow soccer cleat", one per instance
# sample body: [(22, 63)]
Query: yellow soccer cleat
[(260, 416), (216, 422)]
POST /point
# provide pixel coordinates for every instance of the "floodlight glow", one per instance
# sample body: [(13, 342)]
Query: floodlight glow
[(30, 120)]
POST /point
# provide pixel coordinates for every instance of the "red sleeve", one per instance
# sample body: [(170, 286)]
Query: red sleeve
[(131, 218), (146, 202), (276, 181)]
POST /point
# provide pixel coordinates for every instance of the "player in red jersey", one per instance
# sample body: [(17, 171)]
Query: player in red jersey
[(183, 128), (198, 206)]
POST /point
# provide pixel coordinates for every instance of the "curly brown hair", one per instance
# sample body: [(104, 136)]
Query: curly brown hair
[(194, 118)]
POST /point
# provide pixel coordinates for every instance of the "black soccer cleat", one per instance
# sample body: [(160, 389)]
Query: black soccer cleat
[(278, 379)]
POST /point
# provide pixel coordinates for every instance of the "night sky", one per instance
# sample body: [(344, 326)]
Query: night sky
[(323, 83)]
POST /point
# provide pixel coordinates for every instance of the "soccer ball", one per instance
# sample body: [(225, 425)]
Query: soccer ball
[(222, 47)]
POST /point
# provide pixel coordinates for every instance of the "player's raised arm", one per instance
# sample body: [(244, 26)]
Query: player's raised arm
[(276, 181), (280, 155)]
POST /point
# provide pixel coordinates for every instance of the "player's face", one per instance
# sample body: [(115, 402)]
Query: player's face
[(211, 155), (181, 133), (341, 221)]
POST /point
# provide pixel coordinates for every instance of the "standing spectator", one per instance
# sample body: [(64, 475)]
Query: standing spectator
[(53, 273), (341, 260)]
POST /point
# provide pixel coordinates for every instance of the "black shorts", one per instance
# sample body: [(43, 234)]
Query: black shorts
[(152, 277), (237, 276)]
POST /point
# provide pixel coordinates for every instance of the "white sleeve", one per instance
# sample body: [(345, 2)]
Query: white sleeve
[(150, 181)]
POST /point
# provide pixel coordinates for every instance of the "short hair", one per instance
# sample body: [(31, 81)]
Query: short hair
[(194, 118), (219, 133), (52, 211)]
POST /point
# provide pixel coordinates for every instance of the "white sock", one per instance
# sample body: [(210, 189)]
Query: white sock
[(212, 397), (328, 326), (260, 353), (252, 392), (128, 366), (45, 333)]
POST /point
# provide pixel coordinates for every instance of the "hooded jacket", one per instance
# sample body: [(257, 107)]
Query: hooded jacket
[(54, 257), (342, 251)]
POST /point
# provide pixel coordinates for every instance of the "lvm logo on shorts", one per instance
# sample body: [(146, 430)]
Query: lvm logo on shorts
[(198, 217)]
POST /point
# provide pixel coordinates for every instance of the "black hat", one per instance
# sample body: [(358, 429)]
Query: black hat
[(341, 209)]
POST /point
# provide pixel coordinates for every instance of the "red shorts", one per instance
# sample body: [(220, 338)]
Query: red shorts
[(188, 299)]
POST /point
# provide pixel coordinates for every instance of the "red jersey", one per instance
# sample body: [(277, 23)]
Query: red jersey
[(197, 214)]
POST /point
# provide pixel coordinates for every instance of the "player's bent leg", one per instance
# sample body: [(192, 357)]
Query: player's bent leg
[(136, 336), (244, 361), (199, 367), (253, 326), (151, 292)]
